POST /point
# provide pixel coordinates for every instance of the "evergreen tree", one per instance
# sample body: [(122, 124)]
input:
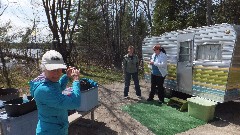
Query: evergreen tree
[(171, 15), (90, 34), (227, 11)]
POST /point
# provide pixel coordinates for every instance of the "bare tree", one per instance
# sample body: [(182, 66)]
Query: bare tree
[(58, 13), (147, 11), (3, 8), (3, 31), (3, 42), (209, 12)]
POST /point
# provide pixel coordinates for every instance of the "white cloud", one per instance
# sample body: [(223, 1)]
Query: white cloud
[(21, 13)]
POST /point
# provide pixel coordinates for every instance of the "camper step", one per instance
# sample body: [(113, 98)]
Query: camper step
[(178, 102)]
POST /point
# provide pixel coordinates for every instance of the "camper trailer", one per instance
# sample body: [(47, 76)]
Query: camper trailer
[(202, 61)]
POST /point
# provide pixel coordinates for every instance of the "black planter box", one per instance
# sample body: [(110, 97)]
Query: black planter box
[(16, 107), (8, 93)]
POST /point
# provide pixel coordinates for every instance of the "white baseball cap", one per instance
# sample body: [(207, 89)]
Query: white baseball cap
[(53, 60)]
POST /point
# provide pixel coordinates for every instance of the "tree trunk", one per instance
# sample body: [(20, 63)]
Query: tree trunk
[(209, 12), (4, 68)]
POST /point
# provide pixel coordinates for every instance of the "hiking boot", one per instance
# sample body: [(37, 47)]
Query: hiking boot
[(126, 97), (139, 97)]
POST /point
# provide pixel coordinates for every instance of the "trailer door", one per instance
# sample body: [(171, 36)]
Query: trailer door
[(185, 63)]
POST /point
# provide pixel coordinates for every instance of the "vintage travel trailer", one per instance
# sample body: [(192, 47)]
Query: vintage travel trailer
[(202, 61)]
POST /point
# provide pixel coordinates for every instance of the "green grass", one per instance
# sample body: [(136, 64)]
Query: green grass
[(102, 75), (162, 119)]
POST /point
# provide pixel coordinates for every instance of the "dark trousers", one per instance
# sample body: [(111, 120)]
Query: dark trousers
[(157, 84), (136, 83)]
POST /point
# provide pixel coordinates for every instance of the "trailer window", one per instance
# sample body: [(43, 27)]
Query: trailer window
[(184, 51), (209, 52)]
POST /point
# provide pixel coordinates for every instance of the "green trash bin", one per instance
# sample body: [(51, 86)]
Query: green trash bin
[(201, 108)]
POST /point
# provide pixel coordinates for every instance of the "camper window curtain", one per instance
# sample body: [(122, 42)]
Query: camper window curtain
[(209, 52)]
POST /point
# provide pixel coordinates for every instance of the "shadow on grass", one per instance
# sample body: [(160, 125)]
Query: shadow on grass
[(160, 118), (155, 102), (225, 113)]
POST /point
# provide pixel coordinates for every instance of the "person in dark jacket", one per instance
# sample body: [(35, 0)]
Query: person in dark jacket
[(47, 90), (130, 70)]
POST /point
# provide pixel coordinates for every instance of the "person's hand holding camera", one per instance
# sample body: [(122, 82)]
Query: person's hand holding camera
[(73, 73)]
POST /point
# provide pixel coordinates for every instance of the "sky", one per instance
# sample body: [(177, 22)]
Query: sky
[(21, 13)]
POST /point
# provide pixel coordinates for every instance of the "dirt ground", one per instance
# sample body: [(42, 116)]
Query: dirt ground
[(111, 120)]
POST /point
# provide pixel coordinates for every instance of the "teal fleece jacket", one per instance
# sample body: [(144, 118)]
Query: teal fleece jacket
[(52, 105)]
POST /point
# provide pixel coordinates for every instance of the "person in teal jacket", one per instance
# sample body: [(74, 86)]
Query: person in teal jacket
[(47, 90)]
